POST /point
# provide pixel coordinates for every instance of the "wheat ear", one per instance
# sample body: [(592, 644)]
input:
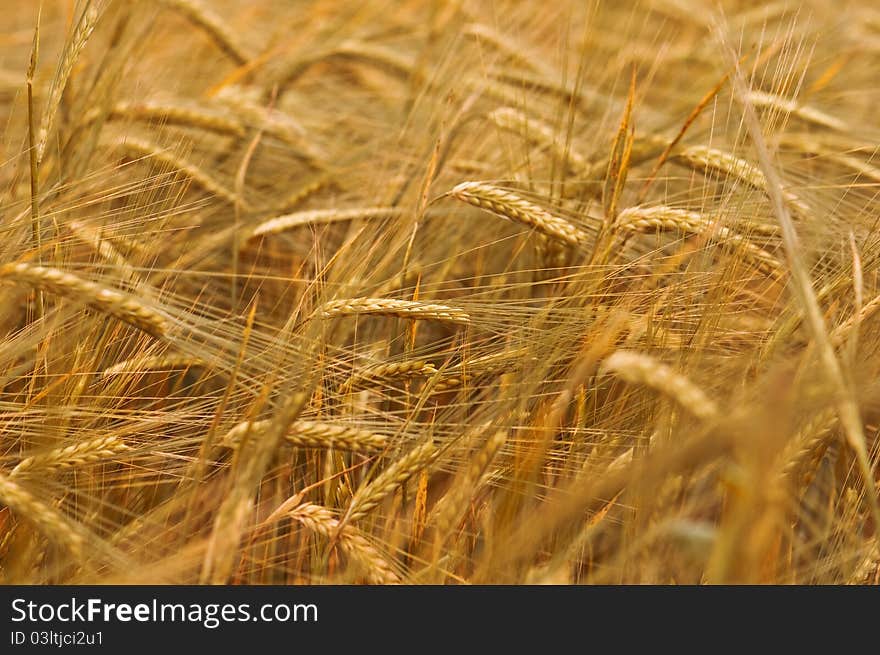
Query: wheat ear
[(48, 520), (842, 331), (451, 508), (116, 303), (312, 434), (712, 160), (86, 452), (321, 217), (143, 148), (394, 307), (213, 25), (637, 368), (74, 48), (804, 112), (320, 520), (184, 115), (398, 472), (539, 134), (408, 369), (102, 246), (506, 204), (662, 218), (152, 363)]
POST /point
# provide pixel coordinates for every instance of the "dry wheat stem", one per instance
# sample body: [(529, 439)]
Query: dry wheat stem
[(637, 368), (321, 217), (394, 307), (116, 303), (320, 520), (312, 434), (506, 204), (399, 471), (81, 454)]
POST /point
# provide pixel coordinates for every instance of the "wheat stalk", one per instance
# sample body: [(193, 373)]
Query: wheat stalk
[(116, 303), (312, 434), (506, 204), (394, 307), (637, 368), (86, 452), (320, 520)]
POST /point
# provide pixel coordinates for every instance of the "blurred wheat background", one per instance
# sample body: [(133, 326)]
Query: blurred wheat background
[(318, 291)]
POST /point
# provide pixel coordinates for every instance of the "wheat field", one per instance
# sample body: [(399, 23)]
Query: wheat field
[(439, 292)]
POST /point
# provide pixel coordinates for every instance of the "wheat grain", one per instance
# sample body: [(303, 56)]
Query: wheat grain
[(116, 303), (637, 368), (868, 570), (83, 453), (320, 520), (392, 307), (506, 204)]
